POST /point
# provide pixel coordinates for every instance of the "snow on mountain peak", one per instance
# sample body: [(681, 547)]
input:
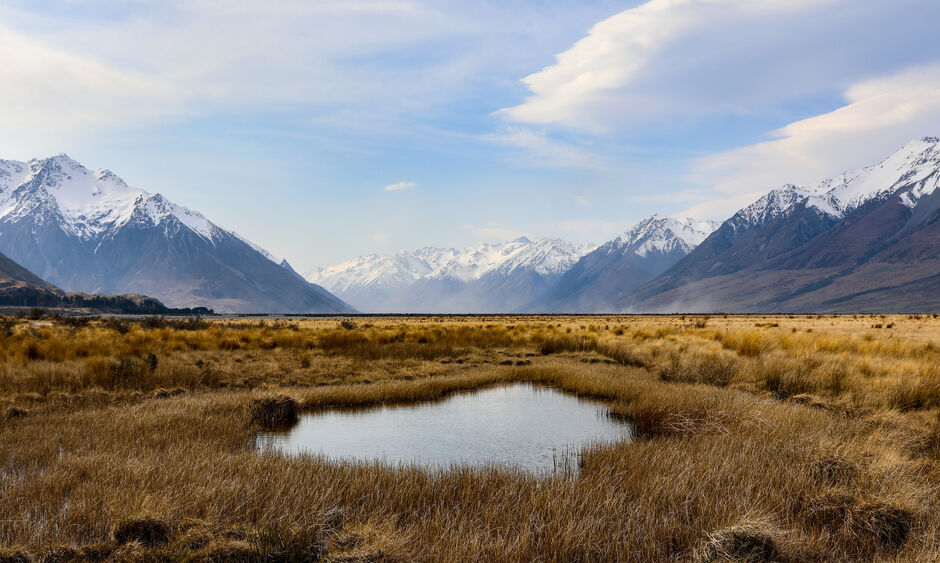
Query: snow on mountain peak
[(546, 257), (915, 167), (662, 234), (90, 203)]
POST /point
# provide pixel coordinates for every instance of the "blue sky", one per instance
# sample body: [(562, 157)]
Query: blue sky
[(286, 120)]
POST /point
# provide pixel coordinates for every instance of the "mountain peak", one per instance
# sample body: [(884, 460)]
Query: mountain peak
[(658, 233)]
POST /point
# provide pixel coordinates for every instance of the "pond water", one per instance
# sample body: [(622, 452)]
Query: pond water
[(522, 426)]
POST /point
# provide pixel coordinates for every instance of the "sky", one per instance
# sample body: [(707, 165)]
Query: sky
[(324, 130)]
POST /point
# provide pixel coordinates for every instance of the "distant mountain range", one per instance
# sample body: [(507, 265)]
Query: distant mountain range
[(485, 278), (516, 276), (867, 240), (88, 231)]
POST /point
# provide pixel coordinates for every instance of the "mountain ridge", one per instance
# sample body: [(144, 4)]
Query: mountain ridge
[(88, 231), (831, 247)]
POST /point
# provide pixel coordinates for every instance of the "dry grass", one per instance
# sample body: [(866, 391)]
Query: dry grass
[(759, 438)]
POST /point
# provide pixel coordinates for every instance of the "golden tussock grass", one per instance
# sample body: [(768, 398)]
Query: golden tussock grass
[(758, 438)]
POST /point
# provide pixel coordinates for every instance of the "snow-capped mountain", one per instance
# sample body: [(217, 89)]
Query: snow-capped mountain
[(87, 230), (863, 239), (483, 278), (914, 165), (633, 258)]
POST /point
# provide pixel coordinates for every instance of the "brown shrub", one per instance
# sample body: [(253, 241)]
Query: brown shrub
[(147, 530)]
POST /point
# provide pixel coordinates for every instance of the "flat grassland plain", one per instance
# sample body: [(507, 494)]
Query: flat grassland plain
[(758, 438)]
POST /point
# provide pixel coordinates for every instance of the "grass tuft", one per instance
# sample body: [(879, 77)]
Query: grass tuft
[(274, 412), (751, 541), (146, 530)]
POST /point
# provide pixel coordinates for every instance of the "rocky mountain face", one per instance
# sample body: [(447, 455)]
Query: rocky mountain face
[(88, 231), (628, 261), (485, 278), (867, 240)]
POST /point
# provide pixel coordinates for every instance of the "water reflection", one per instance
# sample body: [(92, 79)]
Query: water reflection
[(523, 426)]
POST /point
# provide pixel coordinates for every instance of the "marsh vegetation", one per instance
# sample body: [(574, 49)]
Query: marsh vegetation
[(761, 438)]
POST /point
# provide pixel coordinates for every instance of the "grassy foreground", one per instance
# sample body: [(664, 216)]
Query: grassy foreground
[(784, 438)]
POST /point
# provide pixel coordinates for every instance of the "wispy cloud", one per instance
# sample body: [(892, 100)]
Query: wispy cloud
[(666, 59), (879, 116), (537, 148), (400, 186)]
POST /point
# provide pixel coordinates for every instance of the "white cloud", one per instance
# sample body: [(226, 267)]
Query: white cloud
[(47, 92), (669, 59), (380, 238), (880, 115), (121, 64), (400, 186)]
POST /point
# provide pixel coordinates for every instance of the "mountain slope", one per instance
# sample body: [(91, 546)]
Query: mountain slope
[(484, 278), (633, 258), (20, 288), (89, 231), (868, 240)]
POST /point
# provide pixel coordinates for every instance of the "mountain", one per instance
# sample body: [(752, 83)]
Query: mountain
[(867, 240), (20, 288), (484, 278), (88, 231), (632, 259)]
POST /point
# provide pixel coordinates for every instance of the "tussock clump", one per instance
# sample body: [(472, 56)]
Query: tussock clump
[(753, 541), (785, 377), (556, 344), (236, 551), (624, 355), (96, 552), (887, 523), (274, 412), (716, 368), (831, 509), (15, 412), (15, 555), (810, 400), (62, 554), (835, 470), (147, 530), (124, 371)]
